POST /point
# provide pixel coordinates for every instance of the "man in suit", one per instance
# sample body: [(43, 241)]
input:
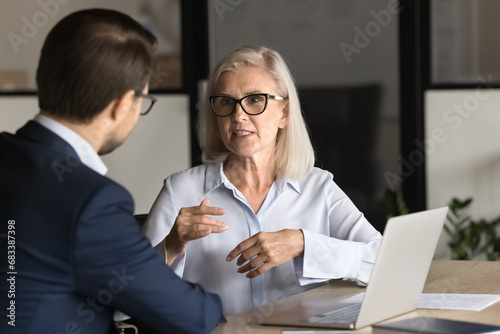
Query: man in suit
[(71, 251)]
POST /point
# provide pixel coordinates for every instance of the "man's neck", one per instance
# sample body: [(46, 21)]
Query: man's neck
[(90, 132)]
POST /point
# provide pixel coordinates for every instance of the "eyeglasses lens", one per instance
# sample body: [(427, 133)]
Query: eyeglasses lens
[(252, 104)]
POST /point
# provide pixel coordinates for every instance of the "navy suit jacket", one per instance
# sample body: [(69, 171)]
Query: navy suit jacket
[(72, 253)]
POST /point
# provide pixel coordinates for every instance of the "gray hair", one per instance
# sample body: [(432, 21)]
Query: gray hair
[(294, 155)]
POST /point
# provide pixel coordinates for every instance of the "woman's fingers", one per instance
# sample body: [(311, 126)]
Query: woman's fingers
[(266, 250)]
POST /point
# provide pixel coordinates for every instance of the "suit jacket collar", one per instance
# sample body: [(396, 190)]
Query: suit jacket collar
[(38, 133), (63, 138)]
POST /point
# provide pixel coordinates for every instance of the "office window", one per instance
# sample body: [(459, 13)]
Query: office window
[(27, 23), (465, 48)]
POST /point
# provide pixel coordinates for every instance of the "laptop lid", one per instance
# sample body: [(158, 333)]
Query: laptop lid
[(398, 275), (402, 265)]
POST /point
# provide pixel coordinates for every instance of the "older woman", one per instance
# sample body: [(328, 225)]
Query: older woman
[(257, 198)]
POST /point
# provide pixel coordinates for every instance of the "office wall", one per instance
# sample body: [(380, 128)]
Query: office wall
[(157, 147), (462, 132)]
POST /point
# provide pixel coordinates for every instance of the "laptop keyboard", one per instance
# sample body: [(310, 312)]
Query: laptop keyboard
[(344, 315)]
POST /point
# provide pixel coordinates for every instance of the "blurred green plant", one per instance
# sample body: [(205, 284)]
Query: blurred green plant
[(395, 205), (470, 239)]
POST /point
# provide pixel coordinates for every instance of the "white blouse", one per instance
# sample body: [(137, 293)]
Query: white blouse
[(339, 241)]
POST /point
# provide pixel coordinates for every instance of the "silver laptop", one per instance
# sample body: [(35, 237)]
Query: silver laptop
[(396, 282)]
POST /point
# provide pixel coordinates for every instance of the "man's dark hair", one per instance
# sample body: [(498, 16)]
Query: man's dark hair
[(90, 58)]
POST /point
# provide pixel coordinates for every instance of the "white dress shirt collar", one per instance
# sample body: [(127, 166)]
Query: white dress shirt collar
[(216, 177), (85, 151)]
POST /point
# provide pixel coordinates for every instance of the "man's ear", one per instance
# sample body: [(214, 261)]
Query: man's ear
[(121, 106)]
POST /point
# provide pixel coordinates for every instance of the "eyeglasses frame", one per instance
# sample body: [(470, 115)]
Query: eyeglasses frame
[(149, 97), (268, 96)]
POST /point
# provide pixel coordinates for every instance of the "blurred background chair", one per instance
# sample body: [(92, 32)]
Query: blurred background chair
[(343, 124)]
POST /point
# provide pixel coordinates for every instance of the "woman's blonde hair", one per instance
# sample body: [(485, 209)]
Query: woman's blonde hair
[(294, 155)]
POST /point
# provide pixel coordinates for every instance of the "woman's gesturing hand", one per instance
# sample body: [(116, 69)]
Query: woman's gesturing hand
[(192, 223), (266, 250)]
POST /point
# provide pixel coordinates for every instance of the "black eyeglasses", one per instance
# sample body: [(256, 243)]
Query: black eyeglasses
[(147, 102), (253, 104)]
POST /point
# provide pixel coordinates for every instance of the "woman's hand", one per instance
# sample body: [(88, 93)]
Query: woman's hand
[(266, 250), (192, 223)]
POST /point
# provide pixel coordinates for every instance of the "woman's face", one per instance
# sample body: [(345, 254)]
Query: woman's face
[(251, 136)]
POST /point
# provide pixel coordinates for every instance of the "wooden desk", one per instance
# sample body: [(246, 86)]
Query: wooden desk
[(444, 277)]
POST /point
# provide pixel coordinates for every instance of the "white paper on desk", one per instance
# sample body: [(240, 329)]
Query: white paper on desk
[(445, 301), (455, 301), (356, 299)]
